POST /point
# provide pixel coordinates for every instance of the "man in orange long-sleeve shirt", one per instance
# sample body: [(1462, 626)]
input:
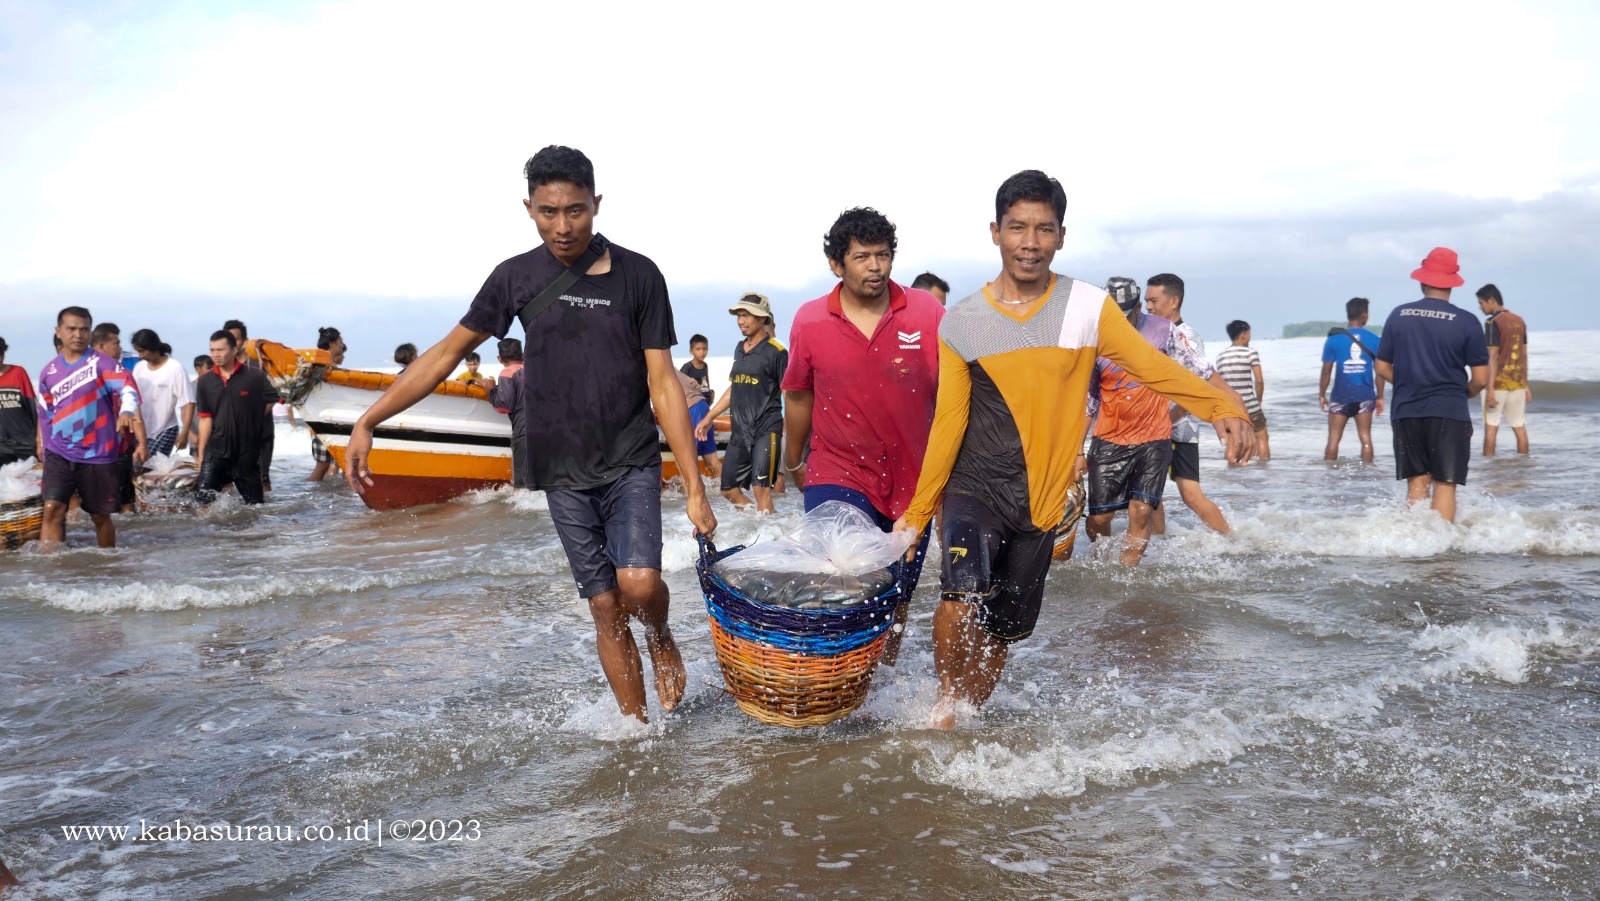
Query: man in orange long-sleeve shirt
[(1014, 367)]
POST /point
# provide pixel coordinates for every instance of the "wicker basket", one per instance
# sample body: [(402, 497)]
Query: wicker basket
[(20, 521), (789, 667)]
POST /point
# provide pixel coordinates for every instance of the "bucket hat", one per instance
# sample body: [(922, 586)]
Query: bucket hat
[(1440, 269), (753, 303)]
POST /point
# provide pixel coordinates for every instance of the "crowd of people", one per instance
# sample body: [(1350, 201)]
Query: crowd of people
[(972, 416)]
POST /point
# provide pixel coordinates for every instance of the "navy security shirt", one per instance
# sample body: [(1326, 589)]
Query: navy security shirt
[(1431, 344), (586, 389)]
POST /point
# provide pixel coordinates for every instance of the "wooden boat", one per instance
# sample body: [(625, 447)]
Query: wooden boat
[(449, 443)]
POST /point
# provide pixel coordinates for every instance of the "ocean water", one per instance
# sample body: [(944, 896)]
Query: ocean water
[(1345, 699)]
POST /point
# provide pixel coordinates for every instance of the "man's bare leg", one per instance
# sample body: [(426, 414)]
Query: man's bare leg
[(763, 499), (105, 531), (738, 498), (1098, 526), (1364, 432), (1263, 447), (619, 656), (1203, 507), (1140, 515), (1335, 432), (53, 530), (1489, 434), (645, 596), (320, 471), (968, 659), (1522, 439), (713, 465), (1418, 489), (1444, 500), (897, 631), (1158, 521)]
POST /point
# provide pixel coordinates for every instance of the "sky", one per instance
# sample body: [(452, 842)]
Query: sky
[(359, 164)]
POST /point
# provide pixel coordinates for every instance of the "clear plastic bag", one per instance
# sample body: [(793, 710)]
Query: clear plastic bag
[(837, 558)]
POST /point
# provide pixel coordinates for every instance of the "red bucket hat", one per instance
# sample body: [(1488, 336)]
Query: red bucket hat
[(1440, 269)]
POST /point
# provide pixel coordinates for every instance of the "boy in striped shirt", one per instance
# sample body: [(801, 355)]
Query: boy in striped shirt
[(1240, 366)]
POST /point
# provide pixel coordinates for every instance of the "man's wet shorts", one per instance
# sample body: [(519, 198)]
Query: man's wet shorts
[(1351, 410), (96, 484), (1432, 446), (1258, 421), (1510, 406), (751, 460), (995, 568), (1185, 460), (1119, 473), (610, 527), (708, 446)]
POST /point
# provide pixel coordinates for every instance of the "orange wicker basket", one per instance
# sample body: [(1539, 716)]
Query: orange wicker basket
[(792, 667), (787, 688), (20, 521)]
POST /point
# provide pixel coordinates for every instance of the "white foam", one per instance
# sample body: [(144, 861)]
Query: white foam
[(232, 592), (1063, 770), (1388, 530), (1499, 650)]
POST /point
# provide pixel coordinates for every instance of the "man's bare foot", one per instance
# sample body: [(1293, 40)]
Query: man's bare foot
[(944, 713), (668, 665)]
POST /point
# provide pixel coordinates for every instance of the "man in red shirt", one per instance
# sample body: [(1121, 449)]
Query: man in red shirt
[(861, 385), (19, 415)]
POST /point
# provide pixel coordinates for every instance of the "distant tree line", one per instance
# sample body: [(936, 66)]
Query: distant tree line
[(1321, 329)]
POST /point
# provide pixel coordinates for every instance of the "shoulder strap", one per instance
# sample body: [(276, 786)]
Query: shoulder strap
[(1347, 331), (598, 246)]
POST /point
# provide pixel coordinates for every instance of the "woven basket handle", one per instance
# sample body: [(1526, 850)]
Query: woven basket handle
[(707, 549)]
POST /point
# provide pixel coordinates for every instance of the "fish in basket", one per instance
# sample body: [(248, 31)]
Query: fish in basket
[(21, 504), (167, 484), (801, 653)]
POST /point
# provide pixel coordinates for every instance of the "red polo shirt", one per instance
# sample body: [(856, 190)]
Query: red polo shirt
[(874, 396)]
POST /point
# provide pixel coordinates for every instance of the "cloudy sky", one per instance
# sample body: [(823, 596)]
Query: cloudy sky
[(359, 164)]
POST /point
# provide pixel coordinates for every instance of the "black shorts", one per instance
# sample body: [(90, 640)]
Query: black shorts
[(995, 568), (218, 471), (615, 526), (1120, 473), (1353, 409), (94, 483), (751, 460), (1432, 446), (1185, 461)]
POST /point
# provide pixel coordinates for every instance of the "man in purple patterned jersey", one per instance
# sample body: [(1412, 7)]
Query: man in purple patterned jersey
[(86, 401)]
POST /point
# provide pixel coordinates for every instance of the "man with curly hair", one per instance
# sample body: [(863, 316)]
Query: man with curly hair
[(862, 380)]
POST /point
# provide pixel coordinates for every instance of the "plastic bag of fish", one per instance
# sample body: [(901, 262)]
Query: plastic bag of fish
[(167, 483), (19, 481), (837, 558)]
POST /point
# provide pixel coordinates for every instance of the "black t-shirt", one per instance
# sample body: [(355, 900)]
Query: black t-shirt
[(756, 401), (701, 376), (586, 389), (235, 408)]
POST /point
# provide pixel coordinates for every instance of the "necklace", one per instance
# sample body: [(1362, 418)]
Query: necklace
[(1013, 303)]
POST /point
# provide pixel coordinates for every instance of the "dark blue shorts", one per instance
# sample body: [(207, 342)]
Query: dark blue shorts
[(611, 527), (817, 495), (993, 567), (708, 447)]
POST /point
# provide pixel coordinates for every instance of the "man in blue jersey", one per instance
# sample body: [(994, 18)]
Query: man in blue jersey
[(1347, 360), (1427, 350)]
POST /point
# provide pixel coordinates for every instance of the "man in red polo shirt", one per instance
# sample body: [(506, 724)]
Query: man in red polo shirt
[(862, 380)]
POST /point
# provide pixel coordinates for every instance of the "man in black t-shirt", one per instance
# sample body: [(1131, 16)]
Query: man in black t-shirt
[(756, 400), (230, 400), (594, 363)]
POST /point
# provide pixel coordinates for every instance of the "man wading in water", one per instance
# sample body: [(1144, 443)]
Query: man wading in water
[(1014, 366), (595, 360)]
